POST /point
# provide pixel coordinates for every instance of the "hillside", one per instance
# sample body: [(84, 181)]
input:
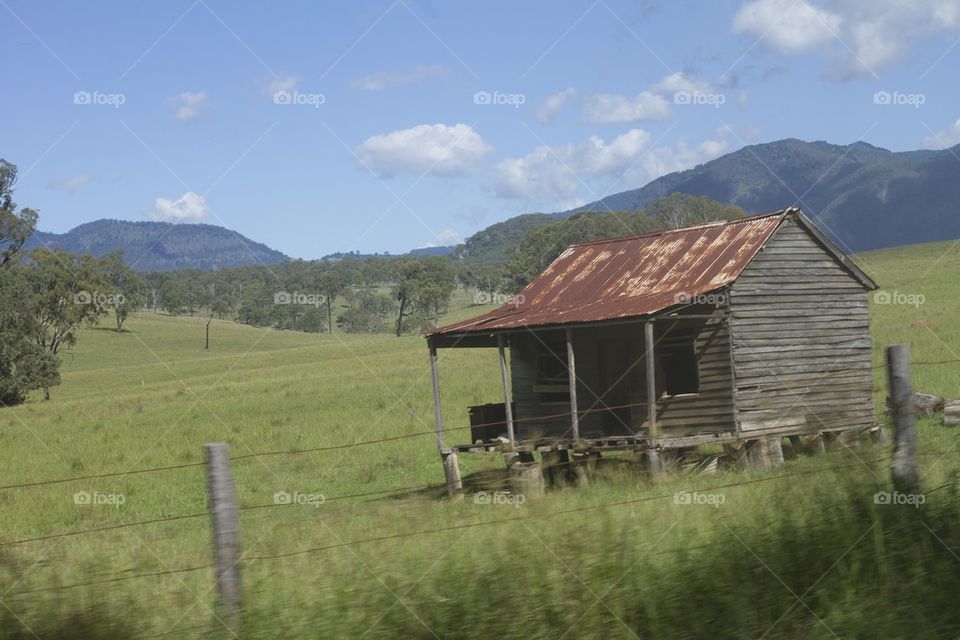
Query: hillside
[(162, 246), (869, 197), (493, 245), (121, 407)]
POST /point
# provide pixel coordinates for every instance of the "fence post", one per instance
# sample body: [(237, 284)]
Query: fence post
[(226, 528), (904, 466), (451, 472)]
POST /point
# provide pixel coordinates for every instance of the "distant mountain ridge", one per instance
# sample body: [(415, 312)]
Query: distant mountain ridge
[(864, 196), (161, 246)]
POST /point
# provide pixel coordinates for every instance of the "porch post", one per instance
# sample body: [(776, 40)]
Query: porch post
[(507, 394), (572, 379), (437, 413), (653, 431), (451, 464)]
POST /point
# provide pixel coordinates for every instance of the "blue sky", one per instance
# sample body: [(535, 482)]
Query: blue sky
[(386, 125)]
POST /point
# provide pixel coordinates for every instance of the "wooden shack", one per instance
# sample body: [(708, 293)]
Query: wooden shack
[(734, 332)]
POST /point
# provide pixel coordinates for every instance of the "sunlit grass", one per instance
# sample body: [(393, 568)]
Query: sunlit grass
[(152, 396)]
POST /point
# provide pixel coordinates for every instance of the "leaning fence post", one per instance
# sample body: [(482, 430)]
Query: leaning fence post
[(904, 466), (226, 528)]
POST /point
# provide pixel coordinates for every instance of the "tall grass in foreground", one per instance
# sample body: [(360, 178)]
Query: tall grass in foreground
[(812, 560), (779, 559)]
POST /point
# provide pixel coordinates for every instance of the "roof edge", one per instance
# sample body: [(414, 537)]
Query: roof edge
[(838, 254), (705, 225)]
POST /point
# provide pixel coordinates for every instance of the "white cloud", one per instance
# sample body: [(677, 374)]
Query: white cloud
[(681, 82), (857, 37), (435, 149), (613, 109), (188, 104), (554, 104), (945, 139), (571, 173), (556, 172), (445, 238), (449, 236), (788, 26), (70, 185), (604, 108), (190, 207), (663, 160), (391, 79), (280, 84)]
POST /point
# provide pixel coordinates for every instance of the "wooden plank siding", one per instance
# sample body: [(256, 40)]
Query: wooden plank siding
[(801, 341), (611, 372)]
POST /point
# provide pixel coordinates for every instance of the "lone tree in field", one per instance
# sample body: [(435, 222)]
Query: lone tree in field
[(331, 283), (127, 287), (423, 286), (24, 365)]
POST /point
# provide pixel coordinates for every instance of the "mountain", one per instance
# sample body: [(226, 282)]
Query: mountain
[(422, 252), (864, 196), (161, 246), (493, 245)]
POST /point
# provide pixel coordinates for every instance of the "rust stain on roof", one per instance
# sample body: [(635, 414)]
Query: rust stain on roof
[(633, 276)]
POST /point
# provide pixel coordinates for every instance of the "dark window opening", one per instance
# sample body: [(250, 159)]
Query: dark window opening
[(553, 378), (678, 365)]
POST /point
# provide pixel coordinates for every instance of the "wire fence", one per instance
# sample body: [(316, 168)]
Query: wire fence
[(126, 575), (350, 445)]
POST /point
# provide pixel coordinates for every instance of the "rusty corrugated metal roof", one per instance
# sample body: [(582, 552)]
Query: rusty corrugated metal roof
[(634, 276)]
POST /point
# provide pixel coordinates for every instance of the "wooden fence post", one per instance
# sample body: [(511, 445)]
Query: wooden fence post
[(451, 472), (904, 466), (226, 528)]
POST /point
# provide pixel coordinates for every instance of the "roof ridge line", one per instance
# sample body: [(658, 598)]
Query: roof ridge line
[(705, 225)]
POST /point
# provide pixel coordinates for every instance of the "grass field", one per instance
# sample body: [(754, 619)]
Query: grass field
[(565, 564)]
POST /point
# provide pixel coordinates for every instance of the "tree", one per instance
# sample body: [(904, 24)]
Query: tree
[(366, 312), (24, 365), (331, 283), (15, 227), (422, 285), (127, 287), (65, 294), (682, 210), (486, 280)]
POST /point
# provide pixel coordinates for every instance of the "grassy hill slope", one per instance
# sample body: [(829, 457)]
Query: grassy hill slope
[(152, 397)]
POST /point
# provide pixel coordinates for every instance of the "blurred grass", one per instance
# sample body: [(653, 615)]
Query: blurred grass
[(152, 396)]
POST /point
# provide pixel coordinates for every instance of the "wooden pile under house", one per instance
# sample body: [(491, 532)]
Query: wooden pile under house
[(738, 332)]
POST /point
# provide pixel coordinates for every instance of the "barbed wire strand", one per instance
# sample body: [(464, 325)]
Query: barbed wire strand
[(122, 578)]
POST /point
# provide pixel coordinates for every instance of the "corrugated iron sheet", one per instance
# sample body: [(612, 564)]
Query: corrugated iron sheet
[(634, 276)]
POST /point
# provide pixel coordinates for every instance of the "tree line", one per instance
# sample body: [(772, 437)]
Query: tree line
[(371, 295), (47, 295)]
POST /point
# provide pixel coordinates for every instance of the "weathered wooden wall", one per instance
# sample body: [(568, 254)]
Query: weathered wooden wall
[(615, 353), (801, 336)]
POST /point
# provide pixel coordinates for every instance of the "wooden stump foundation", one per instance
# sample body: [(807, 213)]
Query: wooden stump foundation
[(556, 467), (879, 436), (765, 453), (526, 479)]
